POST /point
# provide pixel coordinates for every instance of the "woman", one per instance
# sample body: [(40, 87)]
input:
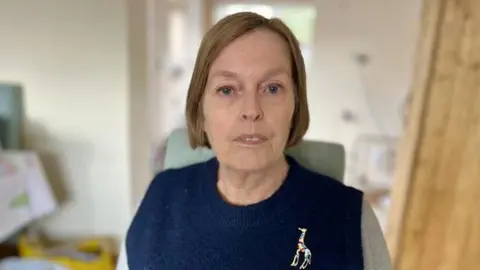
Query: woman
[(251, 207)]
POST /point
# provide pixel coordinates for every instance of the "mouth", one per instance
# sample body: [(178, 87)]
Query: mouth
[(251, 139)]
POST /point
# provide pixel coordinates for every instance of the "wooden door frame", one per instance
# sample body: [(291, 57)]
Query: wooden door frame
[(208, 6), (426, 47)]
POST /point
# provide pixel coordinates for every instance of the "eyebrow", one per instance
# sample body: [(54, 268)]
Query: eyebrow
[(231, 74)]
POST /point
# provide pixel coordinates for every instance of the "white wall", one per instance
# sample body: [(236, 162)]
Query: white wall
[(71, 58)]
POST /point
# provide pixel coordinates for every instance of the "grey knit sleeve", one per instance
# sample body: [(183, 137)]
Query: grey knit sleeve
[(122, 258), (375, 252)]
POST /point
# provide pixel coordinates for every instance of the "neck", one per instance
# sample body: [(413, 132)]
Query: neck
[(240, 187)]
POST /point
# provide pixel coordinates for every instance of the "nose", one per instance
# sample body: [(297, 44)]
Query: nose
[(252, 109)]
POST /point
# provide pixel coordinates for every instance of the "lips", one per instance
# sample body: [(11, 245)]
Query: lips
[(251, 139)]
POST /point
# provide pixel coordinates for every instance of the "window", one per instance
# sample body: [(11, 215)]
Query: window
[(301, 18)]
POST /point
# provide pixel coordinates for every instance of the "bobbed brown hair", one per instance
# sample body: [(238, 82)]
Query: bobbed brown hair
[(215, 40)]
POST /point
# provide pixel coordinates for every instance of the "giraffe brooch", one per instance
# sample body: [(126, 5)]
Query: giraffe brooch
[(302, 248)]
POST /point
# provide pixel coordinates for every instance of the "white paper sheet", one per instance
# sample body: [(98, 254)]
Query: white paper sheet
[(25, 194)]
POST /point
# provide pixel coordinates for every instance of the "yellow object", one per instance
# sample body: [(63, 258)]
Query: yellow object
[(89, 254)]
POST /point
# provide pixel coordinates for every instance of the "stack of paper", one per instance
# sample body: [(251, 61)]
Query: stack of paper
[(25, 195)]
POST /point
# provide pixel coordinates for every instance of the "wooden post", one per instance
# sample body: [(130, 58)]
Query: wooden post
[(435, 216), (208, 8)]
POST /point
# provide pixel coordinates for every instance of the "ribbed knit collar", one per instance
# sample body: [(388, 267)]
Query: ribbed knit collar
[(264, 213)]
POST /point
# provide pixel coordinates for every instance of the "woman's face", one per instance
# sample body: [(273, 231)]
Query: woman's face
[(249, 101)]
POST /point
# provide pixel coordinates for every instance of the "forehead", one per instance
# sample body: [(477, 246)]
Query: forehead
[(257, 51)]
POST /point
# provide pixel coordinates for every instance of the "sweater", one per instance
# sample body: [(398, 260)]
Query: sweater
[(310, 222)]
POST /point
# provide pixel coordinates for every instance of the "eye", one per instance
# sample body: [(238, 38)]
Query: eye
[(225, 91), (273, 88)]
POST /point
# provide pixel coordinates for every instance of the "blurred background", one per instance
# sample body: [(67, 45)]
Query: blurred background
[(97, 86)]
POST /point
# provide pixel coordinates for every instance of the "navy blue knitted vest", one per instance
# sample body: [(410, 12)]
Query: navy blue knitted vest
[(312, 221)]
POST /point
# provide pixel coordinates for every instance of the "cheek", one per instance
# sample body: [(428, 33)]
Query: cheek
[(218, 123), (280, 118)]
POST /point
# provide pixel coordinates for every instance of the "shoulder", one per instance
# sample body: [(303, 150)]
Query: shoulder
[(325, 186), (176, 175), (170, 180), (326, 195), (169, 187), (167, 195)]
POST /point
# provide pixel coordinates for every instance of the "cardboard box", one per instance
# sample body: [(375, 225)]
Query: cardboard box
[(87, 254)]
